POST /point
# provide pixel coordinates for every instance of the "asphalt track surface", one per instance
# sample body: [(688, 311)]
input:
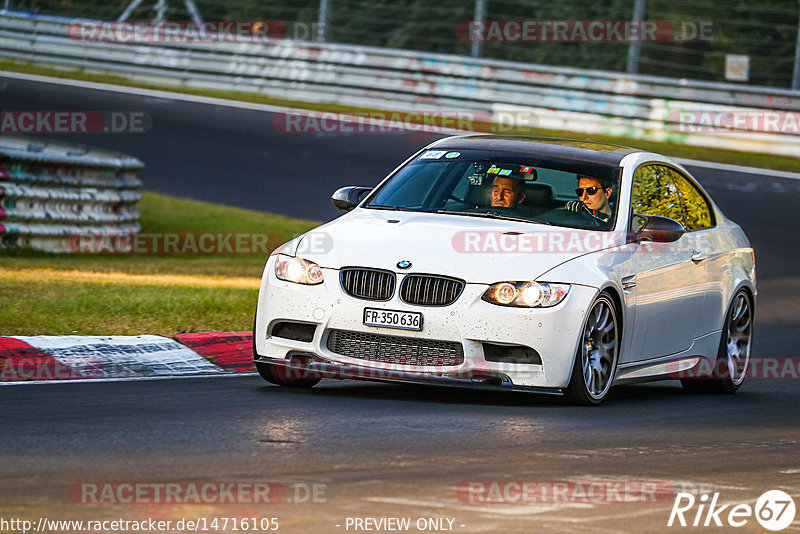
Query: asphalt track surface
[(379, 449)]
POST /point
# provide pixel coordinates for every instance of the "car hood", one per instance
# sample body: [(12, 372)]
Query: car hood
[(475, 249)]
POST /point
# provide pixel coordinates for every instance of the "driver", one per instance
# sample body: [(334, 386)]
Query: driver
[(507, 192), (593, 195)]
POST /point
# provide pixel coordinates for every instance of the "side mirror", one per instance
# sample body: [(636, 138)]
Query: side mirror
[(657, 229), (349, 197)]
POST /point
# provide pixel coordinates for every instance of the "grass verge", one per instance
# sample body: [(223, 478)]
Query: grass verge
[(734, 157), (104, 294)]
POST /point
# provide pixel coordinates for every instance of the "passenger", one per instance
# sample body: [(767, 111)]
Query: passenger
[(507, 192), (593, 195)]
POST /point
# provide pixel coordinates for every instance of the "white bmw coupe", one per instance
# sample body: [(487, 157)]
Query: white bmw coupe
[(515, 263)]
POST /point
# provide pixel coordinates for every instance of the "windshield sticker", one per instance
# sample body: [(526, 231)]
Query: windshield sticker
[(451, 155), (526, 170), (493, 170), (433, 154), (505, 172)]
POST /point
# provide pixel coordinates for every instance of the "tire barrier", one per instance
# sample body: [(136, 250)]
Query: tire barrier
[(720, 115), (51, 192)]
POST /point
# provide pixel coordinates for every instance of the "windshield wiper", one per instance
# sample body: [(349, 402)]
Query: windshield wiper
[(491, 215), (391, 208)]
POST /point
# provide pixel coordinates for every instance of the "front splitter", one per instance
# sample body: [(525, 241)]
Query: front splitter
[(317, 367)]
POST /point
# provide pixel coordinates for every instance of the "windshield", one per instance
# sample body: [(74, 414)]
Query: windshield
[(504, 186)]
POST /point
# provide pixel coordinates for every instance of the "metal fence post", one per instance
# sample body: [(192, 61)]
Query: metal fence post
[(129, 10), (322, 21), (161, 10), (796, 72), (193, 11), (635, 48), (480, 18)]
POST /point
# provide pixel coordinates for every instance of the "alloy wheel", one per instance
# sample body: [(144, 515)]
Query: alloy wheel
[(739, 334), (599, 348)]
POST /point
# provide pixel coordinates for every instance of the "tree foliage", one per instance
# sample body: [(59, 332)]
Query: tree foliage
[(661, 190)]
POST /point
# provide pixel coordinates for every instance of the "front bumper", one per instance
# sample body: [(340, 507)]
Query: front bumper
[(318, 368), (552, 332)]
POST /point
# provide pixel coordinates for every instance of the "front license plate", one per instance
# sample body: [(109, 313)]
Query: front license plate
[(393, 319)]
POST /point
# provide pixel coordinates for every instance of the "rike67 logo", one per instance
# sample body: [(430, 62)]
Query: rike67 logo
[(774, 510)]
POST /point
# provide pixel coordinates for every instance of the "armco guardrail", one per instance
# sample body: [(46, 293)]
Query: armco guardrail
[(51, 193), (681, 111)]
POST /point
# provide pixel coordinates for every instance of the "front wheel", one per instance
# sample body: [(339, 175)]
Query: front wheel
[(596, 360), (733, 357)]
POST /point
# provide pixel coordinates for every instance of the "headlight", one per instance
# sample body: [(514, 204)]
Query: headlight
[(298, 270), (526, 294)]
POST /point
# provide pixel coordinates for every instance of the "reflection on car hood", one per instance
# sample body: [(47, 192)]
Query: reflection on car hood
[(478, 250)]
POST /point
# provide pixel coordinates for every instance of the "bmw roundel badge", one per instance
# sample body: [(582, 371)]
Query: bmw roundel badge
[(405, 264)]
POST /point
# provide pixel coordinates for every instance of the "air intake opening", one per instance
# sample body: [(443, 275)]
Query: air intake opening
[(395, 349), (296, 331), (511, 354)]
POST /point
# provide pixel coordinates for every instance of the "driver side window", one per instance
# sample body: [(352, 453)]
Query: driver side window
[(655, 193)]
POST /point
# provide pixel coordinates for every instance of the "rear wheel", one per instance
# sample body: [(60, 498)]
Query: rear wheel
[(733, 357), (596, 360)]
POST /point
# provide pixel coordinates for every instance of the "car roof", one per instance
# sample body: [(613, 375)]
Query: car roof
[(545, 147)]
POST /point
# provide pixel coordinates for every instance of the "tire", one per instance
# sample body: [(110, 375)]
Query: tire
[(733, 356), (272, 373), (598, 351)]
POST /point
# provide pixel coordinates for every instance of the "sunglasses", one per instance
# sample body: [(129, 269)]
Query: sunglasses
[(589, 191)]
